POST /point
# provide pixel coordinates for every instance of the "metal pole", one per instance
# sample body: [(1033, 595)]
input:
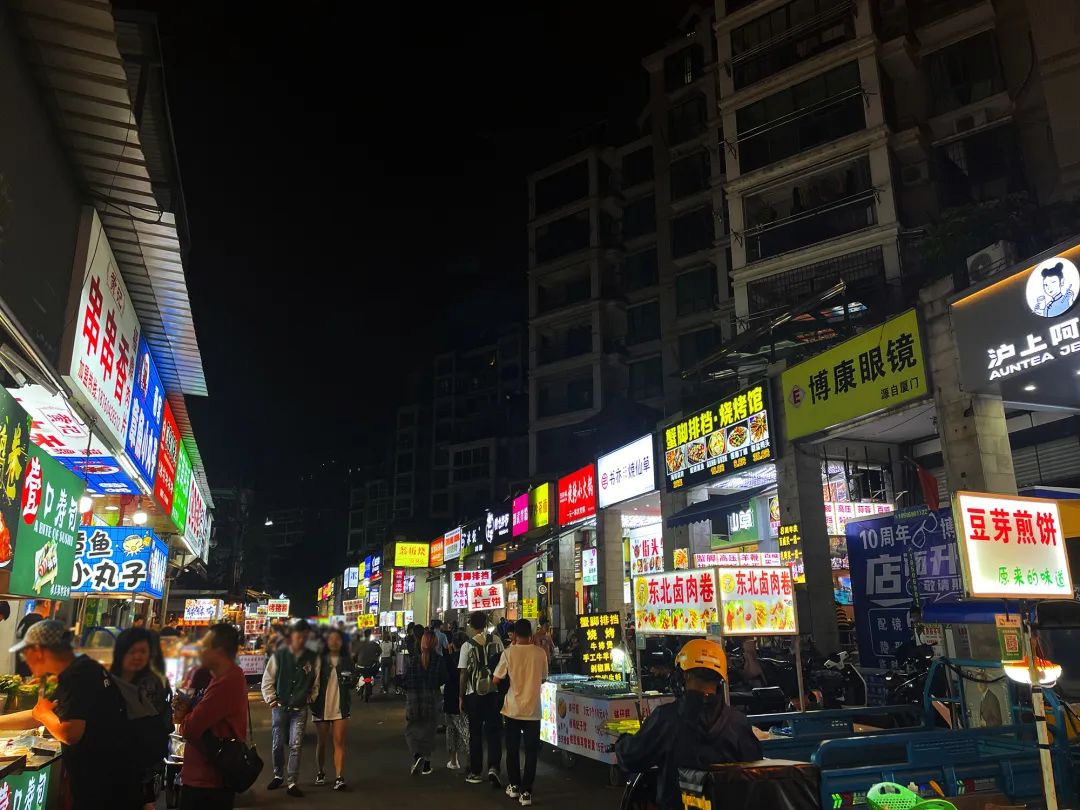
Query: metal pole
[(1039, 710), (637, 673), (799, 672)]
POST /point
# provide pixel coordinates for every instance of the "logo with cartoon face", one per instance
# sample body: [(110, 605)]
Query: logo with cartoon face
[(1052, 287)]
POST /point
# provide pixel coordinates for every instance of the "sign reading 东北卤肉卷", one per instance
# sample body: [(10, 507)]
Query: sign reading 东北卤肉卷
[(1012, 547), (679, 603), (757, 601), (600, 635), (119, 560), (877, 369), (731, 436), (411, 555)]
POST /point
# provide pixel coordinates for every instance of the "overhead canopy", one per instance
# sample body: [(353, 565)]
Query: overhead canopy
[(713, 507), (508, 569)]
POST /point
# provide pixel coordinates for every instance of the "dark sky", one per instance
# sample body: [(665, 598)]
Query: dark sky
[(354, 172)]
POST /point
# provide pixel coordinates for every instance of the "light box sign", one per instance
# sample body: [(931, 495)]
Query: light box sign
[(731, 436), (497, 529), (646, 549), (472, 537), (351, 578), (410, 583), (577, 496), (147, 412), (742, 524), (411, 555), (100, 356), (398, 588), (119, 560), (352, 607), (1020, 336), (540, 506), (486, 597), (626, 473), (202, 611), (722, 559), (375, 567), (680, 603), (14, 457), (881, 368), (47, 526), (168, 450), (452, 545), (1012, 547), (601, 635), (435, 553), (757, 602), (197, 531), (462, 581), (589, 572), (181, 490), (277, 608), (520, 518)]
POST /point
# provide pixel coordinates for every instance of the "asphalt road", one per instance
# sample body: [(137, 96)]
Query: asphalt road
[(377, 772)]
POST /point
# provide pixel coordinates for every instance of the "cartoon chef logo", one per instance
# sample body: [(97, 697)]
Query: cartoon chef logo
[(1052, 287)]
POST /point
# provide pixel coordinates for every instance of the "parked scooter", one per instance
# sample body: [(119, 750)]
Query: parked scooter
[(366, 681)]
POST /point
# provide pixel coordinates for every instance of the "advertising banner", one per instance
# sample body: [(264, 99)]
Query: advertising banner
[(881, 368), (399, 583), (757, 602), (462, 581), (580, 721), (731, 436), (600, 634), (452, 545), (181, 490), (838, 513), (680, 603), (411, 555), (147, 411), (549, 729), (498, 527), (577, 496), (277, 608), (168, 450), (472, 537), (730, 559), (14, 457), (197, 532), (790, 543), (883, 553), (529, 609), (375, 568), (627, 472), (410, 583), (589, 573), (646, 549), (202, 611), (540, 506), (1012, 547), (486, 597), (47, 527), (520, 517), (352, 607), (119, 560), (351, 577), (100, 358), (435, 553)]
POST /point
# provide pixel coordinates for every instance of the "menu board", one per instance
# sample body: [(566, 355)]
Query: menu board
[(352, 606), (731, 436), (757, 601), (732, 558), (678, 603), (839, 513), (459, 595), (600, 635), (790, 541)]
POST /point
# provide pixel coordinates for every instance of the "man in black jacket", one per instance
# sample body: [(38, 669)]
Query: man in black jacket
[(696, 731)]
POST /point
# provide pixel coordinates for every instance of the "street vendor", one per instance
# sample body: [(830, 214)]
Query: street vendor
[(696, 731)]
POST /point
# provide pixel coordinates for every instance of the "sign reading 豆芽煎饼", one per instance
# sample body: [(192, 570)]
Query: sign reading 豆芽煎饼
[(1012, 547), (731, 436), (877, 369), (679, 603), (411, 555), (757, 601), (577, 496), (626, 473), (600, 635), (119, 560), (1020, 335)]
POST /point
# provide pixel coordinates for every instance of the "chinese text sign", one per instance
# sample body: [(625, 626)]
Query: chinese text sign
[(627, 472), (119, 560), (757, 601), (682, 603), (577, 496), (600, 635)]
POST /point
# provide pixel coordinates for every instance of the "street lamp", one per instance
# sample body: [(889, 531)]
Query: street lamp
[(268, 522)]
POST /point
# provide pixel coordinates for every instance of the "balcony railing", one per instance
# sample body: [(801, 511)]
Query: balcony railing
[(835, 218), (563, 350)]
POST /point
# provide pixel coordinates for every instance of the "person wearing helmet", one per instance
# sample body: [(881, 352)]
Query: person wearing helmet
[(698, 730)]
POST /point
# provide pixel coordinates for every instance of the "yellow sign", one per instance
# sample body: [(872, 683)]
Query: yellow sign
[(399, 618), (528, 609), (540, 506), (879, 369), (411, 555), (365, 620)]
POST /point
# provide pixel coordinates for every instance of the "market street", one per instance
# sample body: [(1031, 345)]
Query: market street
[(377, 770)]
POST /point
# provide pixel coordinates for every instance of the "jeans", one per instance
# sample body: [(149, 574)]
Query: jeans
[(485, 722), (387, 665), (288, 729), (197, 798), (515, 730)]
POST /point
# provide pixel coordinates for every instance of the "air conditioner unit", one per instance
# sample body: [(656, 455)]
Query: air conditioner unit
[(990, 260), (915, 174)]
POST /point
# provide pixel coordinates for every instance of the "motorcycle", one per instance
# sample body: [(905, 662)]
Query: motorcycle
[(366, 682)]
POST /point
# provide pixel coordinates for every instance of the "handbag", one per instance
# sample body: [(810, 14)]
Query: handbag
[(238, 762)]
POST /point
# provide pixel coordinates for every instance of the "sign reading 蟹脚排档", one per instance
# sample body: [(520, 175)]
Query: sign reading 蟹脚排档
[(462, 581), (875, 370), (147, 411), (626, 473), (1019, 336), (577, 496), (1012, 547), (731, 436), (757, 601), (411, 555), (119, 560), (600, 635), (679, 603)]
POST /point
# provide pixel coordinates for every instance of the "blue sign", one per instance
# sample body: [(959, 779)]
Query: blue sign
[(373, 566), (119, 560), (103, 474), (147, 410), (893, 558)]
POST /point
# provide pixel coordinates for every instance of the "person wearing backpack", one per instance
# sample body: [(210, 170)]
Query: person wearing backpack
[(223, 711), (525, 665), (480, 699), (290, 684), (87, 715)]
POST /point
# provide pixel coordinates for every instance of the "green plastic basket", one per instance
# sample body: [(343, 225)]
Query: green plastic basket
[(891, 796), (935, 804)]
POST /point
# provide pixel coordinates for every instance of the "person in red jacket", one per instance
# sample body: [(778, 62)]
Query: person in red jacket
[(222, 710)]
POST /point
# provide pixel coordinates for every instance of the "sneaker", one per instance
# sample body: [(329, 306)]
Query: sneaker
[(512, 792), (525, 800), (320, 778), (493, 777), (295, 792), (418, 763), (426, 770), (452, 766), (339, 783), (275, 783), (474, 779)]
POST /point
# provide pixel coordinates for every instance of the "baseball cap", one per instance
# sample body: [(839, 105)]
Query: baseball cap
[(46, 633)]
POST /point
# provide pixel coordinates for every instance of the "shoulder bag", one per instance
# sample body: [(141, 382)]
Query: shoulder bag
[(238, 762)]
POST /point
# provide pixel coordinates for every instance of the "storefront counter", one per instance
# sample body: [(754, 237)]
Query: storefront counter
[(35, 786)]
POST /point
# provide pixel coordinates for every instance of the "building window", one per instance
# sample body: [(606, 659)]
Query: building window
[(983, 166), (579, 394), (472, 464), (563, 236), (692, 232), (639, 218), (687, 119), (964, 73), (440, 503), (695, 291), (684, 67), (637, 167), (690, 175), (639, 270), (562, 188), (643, 322), (559, 398), (646, 379), (696, 346)]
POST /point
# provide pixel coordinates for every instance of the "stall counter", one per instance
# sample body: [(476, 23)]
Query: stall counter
[(37, 785)]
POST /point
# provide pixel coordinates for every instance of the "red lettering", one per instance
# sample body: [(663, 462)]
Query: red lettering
[(1002, 525), (977, 521), (1025, 534)]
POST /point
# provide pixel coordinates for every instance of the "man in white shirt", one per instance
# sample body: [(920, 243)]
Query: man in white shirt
[(526, 665), (477, 655)]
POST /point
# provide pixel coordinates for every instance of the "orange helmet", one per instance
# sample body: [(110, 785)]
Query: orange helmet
[(702, 654)]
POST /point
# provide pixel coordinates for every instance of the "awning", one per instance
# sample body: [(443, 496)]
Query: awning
[(713, 507), (511, 567)]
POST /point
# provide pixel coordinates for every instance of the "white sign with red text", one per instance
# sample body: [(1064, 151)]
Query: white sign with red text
[(459, 597), (732, 558), (486, 597), (277, 608)]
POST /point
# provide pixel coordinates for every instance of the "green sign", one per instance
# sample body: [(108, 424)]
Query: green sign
[(742, 524), (14, 446), (28, 790), (180, 490), (1008, 633), (47, 530)]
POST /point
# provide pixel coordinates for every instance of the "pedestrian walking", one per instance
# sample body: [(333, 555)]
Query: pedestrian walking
[(222, 710), (480, 700), (542, 639), (386, 660), (440, 636), (457, 724), (331, 707), (425, 674), (290, 684), (526, 667)]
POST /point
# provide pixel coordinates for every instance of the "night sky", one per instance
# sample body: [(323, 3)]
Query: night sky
[(354, 174)]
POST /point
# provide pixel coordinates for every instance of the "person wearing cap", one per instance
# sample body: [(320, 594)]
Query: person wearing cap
[(87, 715), (696, 731), (290, 685)]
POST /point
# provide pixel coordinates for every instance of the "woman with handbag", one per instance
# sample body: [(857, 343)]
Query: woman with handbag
[(425, 674), (331, 707), (215, 767)]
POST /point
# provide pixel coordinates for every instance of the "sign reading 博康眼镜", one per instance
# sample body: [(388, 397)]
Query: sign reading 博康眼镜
[(1019, 336), (679, 603), (757, 601), (731, 436), (577, 496), (626, 473), (459, 594), (411, 555), (877, 369), (1012, 547), (119, 560), (600, 635)]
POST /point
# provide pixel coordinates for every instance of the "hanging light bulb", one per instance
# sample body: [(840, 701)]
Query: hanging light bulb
[(139, 518), (1049, 672), (86, 503)]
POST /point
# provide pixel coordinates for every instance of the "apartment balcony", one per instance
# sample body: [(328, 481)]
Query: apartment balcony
[(819, 224)]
